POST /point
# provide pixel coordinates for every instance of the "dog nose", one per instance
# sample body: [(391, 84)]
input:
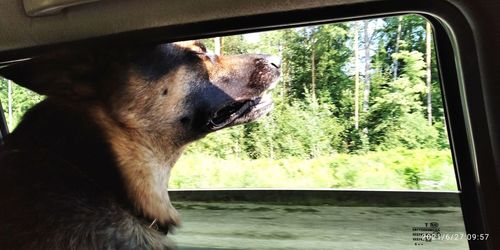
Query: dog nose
[(274, 61)]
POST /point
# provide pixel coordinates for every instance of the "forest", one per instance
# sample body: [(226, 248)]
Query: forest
[(358, 105)]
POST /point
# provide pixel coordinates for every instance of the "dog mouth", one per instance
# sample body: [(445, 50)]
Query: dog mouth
[(240, 112)]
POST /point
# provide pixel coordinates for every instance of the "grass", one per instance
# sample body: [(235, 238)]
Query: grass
[(424, 169)]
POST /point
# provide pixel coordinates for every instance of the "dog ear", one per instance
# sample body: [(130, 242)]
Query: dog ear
[(60, 74), (193, 45)]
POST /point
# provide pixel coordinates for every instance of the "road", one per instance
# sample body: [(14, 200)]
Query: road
[(263, 226)]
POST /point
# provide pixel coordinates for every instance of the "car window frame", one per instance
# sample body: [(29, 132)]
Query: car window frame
[(461, 83)]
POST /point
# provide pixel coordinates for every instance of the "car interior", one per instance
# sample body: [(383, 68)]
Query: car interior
[(466, 33)]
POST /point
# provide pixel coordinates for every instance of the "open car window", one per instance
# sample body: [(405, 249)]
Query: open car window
[(358, 113)]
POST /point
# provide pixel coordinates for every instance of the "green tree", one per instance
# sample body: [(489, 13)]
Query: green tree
[(397, 116), (23, 99)]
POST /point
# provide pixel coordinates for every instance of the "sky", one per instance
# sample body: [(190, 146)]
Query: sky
[(252, 37)]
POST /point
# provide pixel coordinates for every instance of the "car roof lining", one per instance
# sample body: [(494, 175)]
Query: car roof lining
[(87, 21)]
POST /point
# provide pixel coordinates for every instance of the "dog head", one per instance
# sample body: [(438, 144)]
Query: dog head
[(175, 88), (150, 101)]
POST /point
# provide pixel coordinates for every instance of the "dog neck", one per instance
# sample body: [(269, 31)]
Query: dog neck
[(145, 165)]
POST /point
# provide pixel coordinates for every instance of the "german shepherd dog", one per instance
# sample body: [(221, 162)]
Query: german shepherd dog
[(88, 167)]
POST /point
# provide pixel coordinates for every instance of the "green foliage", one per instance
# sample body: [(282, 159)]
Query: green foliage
[(231, 45), (412, 36), (23, 99), (410, 131), (396, 118), (295, 130), (413, 67), (222, 144), (393, 169), (291, 130)]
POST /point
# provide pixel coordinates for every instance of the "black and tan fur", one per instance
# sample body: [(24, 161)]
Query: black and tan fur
[(88, 167)]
